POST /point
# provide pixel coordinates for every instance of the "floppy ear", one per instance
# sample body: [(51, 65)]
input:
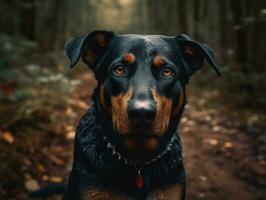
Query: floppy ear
[(194, 54), (91, 47)]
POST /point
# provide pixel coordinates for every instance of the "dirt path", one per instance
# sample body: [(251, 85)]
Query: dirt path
[(210, 151)]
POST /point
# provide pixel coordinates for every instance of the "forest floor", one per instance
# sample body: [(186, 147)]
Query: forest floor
[(41, 107)]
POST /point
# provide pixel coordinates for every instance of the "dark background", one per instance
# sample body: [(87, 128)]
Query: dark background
[(41, 100)]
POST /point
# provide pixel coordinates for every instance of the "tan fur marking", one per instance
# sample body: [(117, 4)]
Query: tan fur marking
[(119, 111), (167, 193), (129, 58), (164, 106), (158, 61), (96, 194)]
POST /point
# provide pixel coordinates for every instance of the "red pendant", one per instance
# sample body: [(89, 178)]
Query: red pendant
[(139, 181)]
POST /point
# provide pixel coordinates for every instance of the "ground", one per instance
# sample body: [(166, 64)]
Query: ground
[(36, 149)]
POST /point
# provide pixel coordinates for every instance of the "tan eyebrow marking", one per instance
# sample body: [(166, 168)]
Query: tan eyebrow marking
[(129, 58), (158, 61)]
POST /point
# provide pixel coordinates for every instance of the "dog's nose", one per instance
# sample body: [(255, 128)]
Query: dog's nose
[(142, 111)]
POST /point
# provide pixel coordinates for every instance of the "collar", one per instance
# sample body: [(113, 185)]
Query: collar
[(127, 161)]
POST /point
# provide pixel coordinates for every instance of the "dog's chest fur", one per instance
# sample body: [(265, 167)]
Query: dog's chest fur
[(173, 192)]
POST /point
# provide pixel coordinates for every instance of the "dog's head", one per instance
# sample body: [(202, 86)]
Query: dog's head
[(141, 80)]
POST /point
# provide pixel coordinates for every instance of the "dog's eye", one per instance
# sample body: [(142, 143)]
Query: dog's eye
[(167, 72), (119, 70)]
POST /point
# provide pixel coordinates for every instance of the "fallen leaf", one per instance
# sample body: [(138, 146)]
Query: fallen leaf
[(228, 145), (203, 178), (8, 137), (69, 111), (32, 185), (216, 128), (27, 162), (70, 135), (207, 118), (8, 88), (201, 195), (27, 177), (56, 160), (186, 129), (45, 178), (69, 128), (191, 123), (80, 104), (40, 168), (213, 141), (184, 120), (56, 179)]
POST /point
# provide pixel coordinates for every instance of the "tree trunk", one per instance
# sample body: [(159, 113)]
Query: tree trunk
[(27, 18), (223, 30), (196, 17), (239, 31), (50, 30), (182, 16)]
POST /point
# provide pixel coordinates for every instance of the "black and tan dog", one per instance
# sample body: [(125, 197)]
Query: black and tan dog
[(127, 145)]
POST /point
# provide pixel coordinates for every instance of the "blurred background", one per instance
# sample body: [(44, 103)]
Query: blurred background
[(41, 100)]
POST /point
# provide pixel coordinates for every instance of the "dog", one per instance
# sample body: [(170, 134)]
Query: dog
[(127, 145)]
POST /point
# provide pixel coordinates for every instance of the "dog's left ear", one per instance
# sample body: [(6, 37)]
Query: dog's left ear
[(194, 54), (91, 47)]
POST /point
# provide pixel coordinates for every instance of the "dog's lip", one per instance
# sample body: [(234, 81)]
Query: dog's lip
[(142, 132)]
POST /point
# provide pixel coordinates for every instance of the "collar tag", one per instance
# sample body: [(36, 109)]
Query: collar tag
[(139, 181)]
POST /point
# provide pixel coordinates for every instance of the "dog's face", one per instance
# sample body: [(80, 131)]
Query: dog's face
[(141, 80), (141, 88)]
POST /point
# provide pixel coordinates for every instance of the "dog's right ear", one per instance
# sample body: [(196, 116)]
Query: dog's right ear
[(91, 47), (194, 54)]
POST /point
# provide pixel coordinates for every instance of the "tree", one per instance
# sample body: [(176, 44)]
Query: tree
[(182, 16)]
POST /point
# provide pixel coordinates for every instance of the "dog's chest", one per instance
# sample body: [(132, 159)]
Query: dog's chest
[(95, 194), (174, 192)]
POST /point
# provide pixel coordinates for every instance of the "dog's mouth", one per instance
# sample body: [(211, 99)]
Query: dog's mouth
[(143, 130), (140, 144), (141, 134)]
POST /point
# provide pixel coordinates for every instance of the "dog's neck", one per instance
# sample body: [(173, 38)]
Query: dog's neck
[(128, 161)]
